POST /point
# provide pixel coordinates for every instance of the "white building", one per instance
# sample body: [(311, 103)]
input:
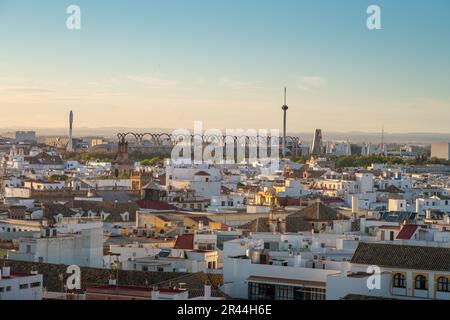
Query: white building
[(83, 246), (227, 202), (204, 180), (283, 266), (424, 205), (19, 286)]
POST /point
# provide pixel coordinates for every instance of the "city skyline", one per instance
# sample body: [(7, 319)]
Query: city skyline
[(123, 68)]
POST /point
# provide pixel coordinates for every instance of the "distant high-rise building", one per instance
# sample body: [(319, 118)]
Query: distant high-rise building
[(70, 144), (25, 136), (316, 148), (440, 150)]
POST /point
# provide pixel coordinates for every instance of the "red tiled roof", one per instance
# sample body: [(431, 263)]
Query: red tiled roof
[(156, 205), (198, 219), (407, 232), (185, 242), (286, 201)]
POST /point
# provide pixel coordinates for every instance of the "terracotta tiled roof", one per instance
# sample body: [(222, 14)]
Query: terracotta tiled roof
[(407, 232), (319, 212), (156, 205), (393, 189), (113, 209), (202, 219), (185, 242), (401, 256), (195, 284), (257, 225)]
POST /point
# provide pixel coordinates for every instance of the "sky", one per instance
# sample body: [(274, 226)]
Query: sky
[(168, 63)]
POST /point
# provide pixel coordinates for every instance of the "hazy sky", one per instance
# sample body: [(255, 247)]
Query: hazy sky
[(167, 63)]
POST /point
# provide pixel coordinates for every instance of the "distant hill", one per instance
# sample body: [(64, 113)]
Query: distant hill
[(354, 137)]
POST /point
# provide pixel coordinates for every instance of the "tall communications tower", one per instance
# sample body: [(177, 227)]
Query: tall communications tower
[(70, 145), (285, 109)]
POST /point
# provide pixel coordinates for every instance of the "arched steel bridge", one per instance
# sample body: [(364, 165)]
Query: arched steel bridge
[(167, 139)]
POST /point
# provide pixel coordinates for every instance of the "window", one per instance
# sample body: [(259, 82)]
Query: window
[(160, 269), (421, 282), (8, 288), (260, 291), (35, 284), (23, 286), (2, 289), (399, 281), (309, 294), (442, 285)]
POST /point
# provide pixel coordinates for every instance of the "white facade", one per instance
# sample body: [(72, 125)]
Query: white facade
[(226, 202), (84, 248), (397, 205), (204, 180), (20, 286), (432, 203)]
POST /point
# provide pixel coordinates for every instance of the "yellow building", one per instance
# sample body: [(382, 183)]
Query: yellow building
[(193, 223)]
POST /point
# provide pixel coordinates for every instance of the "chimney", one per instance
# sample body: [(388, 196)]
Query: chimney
[(207, 294), (355, 205), (155, 293)]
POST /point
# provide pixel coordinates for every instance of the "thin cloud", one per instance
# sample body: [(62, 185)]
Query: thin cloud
[(238, 84), (153, 81), (23, 89), (311, 83)]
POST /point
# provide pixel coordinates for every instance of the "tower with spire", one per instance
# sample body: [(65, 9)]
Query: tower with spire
[(70, 144), (285, 109)]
